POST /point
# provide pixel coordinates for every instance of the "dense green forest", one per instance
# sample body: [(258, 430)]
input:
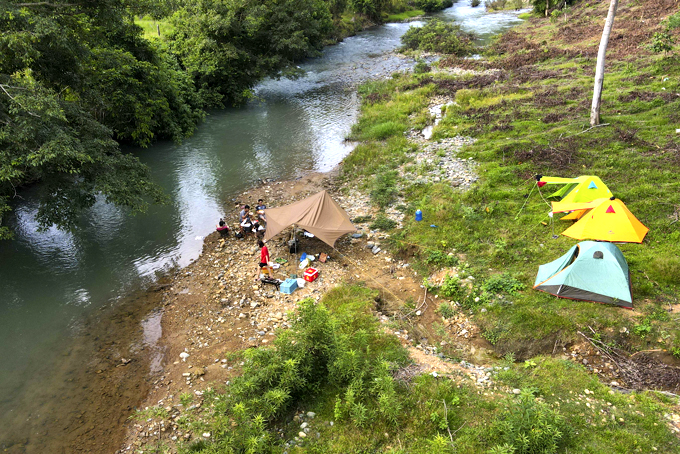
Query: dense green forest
[(78, 78)]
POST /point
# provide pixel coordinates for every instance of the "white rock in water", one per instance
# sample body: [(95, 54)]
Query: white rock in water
[(184, 356)]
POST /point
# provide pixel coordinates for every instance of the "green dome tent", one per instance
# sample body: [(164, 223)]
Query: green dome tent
[(590, 271)]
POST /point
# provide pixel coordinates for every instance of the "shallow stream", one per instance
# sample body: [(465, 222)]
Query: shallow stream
[(53, 284)]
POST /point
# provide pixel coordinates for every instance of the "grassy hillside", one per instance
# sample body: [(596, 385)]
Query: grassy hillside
[(527, 107), (336, 383)]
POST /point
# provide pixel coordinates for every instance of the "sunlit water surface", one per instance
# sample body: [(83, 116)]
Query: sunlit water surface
[(51, 281)]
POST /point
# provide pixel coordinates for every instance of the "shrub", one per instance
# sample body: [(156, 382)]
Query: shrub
[(662, 42), (422, 67), (343, 350), (500, 283), (495, 4), (442, 259), (446, 310), (382, 222), (440, 37), (430, 6), (452, 288), (530, 426), (383, 190)]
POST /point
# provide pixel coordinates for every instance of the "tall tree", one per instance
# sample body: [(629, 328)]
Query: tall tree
[(227, 46), (599, 68), (74, 75)]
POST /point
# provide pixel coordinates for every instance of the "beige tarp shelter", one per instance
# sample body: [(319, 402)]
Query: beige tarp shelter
[(318, 214)]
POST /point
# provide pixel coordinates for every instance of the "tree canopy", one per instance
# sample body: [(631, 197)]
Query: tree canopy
[(77, 78), (74, 77), (229, 45)]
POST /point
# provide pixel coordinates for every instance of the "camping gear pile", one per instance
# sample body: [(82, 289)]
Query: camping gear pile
[(591, 270)]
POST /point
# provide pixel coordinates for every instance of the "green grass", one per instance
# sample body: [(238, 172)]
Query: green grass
[(400, 17), (150, 25), (494, 224), (360, 407)]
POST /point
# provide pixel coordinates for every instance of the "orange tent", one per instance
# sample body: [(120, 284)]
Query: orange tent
[(609, 221)]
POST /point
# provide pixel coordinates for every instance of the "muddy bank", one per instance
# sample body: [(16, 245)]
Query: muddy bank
[(98, 395)]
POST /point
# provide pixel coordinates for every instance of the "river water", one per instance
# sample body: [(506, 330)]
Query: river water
[(51, 282)]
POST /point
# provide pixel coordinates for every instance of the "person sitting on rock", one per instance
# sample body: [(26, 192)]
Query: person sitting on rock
[(260, 207), (244, 212), (222, 227), (246, 225), (259, 226)]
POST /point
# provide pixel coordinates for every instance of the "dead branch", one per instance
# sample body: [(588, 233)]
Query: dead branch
[(13, 99), (586, 130)]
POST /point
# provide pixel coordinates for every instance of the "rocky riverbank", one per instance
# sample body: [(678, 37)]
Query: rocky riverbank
[(214, 308)]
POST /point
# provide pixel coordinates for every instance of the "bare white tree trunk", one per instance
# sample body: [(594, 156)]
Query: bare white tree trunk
[(599, 69)]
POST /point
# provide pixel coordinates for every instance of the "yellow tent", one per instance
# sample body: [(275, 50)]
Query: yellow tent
[(574, 215), (608, 221), (585, 188), (575, 210)]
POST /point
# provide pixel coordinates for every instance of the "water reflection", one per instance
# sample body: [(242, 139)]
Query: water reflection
[(49, 281)]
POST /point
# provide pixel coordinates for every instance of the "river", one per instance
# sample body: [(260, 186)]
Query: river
[(53, 283)]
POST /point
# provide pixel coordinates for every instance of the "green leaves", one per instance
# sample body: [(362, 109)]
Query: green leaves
[(440, 37), (227, 46)]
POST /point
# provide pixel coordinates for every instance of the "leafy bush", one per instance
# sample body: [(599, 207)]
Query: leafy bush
[(662, 42), (334, 349), (440, 37), (446, 310), (370, 8), (384, 191), (442, 259), (422, 67), (530, 426), (382, 222), (495, 4), (500, 283), (452, 288), (430, 6)]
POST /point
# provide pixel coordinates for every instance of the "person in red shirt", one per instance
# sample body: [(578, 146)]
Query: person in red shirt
[(264, 260)]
